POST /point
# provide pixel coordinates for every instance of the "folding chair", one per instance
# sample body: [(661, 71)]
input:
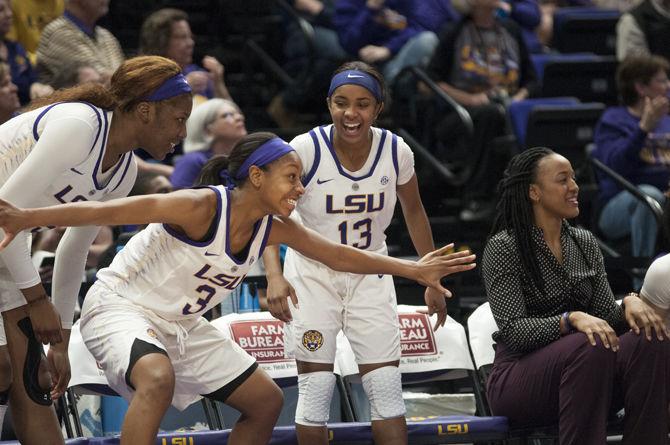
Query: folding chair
[(262, 336), (481, 326), (585, 29), (428, 356)]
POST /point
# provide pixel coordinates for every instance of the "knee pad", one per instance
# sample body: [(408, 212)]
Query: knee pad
[(31, 366), (315, 390), (383, 387)]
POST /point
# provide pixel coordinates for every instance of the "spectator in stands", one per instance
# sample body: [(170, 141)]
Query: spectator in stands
[(9, 99), (327, 55), (75, 37), (167, 33), (526, 14), (75, 73), (644, 30), (383, 33), (12, 52), (30, 18), (481, 62), (566, 353), (212, 129), (634, 140)]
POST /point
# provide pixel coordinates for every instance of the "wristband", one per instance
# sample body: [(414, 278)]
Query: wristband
[(566, 321)]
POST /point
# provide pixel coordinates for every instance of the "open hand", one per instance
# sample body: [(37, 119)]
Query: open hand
[(438, 263)]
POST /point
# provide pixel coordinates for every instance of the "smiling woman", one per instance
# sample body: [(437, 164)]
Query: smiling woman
[(142, 320), (565, 349), (75, 145), (354, 174)]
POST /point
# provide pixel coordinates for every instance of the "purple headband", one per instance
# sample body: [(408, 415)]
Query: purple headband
[(273, 149), (356, 77), (174, 86)]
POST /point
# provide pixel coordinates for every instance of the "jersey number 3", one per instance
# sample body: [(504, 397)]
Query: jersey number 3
[(363, 227)]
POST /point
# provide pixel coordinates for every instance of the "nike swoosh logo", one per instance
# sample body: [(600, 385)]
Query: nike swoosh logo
[(353, 76), (319, 181), (211, 254), (77, 171), (380, 275)]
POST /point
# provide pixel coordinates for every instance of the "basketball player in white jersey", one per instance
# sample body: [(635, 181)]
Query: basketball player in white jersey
[(354, 173), (142, 318), (75, 145)]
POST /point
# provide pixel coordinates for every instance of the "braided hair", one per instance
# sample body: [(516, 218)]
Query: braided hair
[(515, 212)]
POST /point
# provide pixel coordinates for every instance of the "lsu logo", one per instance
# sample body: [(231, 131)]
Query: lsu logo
[(151, 333), (312, 340)]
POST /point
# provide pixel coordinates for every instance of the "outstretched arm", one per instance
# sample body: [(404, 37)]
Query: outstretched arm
[(427, 271), (190, 211)]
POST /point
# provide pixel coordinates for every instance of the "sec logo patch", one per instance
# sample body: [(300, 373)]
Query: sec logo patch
[(151, 333), (312, 340)]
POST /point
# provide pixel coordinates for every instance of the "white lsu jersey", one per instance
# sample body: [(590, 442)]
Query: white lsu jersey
[(178, 278), (352, 208), (81, 182)]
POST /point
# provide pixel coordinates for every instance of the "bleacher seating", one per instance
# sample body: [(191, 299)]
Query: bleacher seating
[(588, 77), (579, 29)]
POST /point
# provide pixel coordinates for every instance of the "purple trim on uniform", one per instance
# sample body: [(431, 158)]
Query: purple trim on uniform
[(125, 170), (266, 235), (103, 148), (189, 241), (317, 159), (93, 107), (39, 118), (394, 153), (257, 225), (337, 161)]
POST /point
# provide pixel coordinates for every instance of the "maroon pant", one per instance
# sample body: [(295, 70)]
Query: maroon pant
[(576, 385)]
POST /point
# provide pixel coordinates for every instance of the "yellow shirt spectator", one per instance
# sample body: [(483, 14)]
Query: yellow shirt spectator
[(30, 17)]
